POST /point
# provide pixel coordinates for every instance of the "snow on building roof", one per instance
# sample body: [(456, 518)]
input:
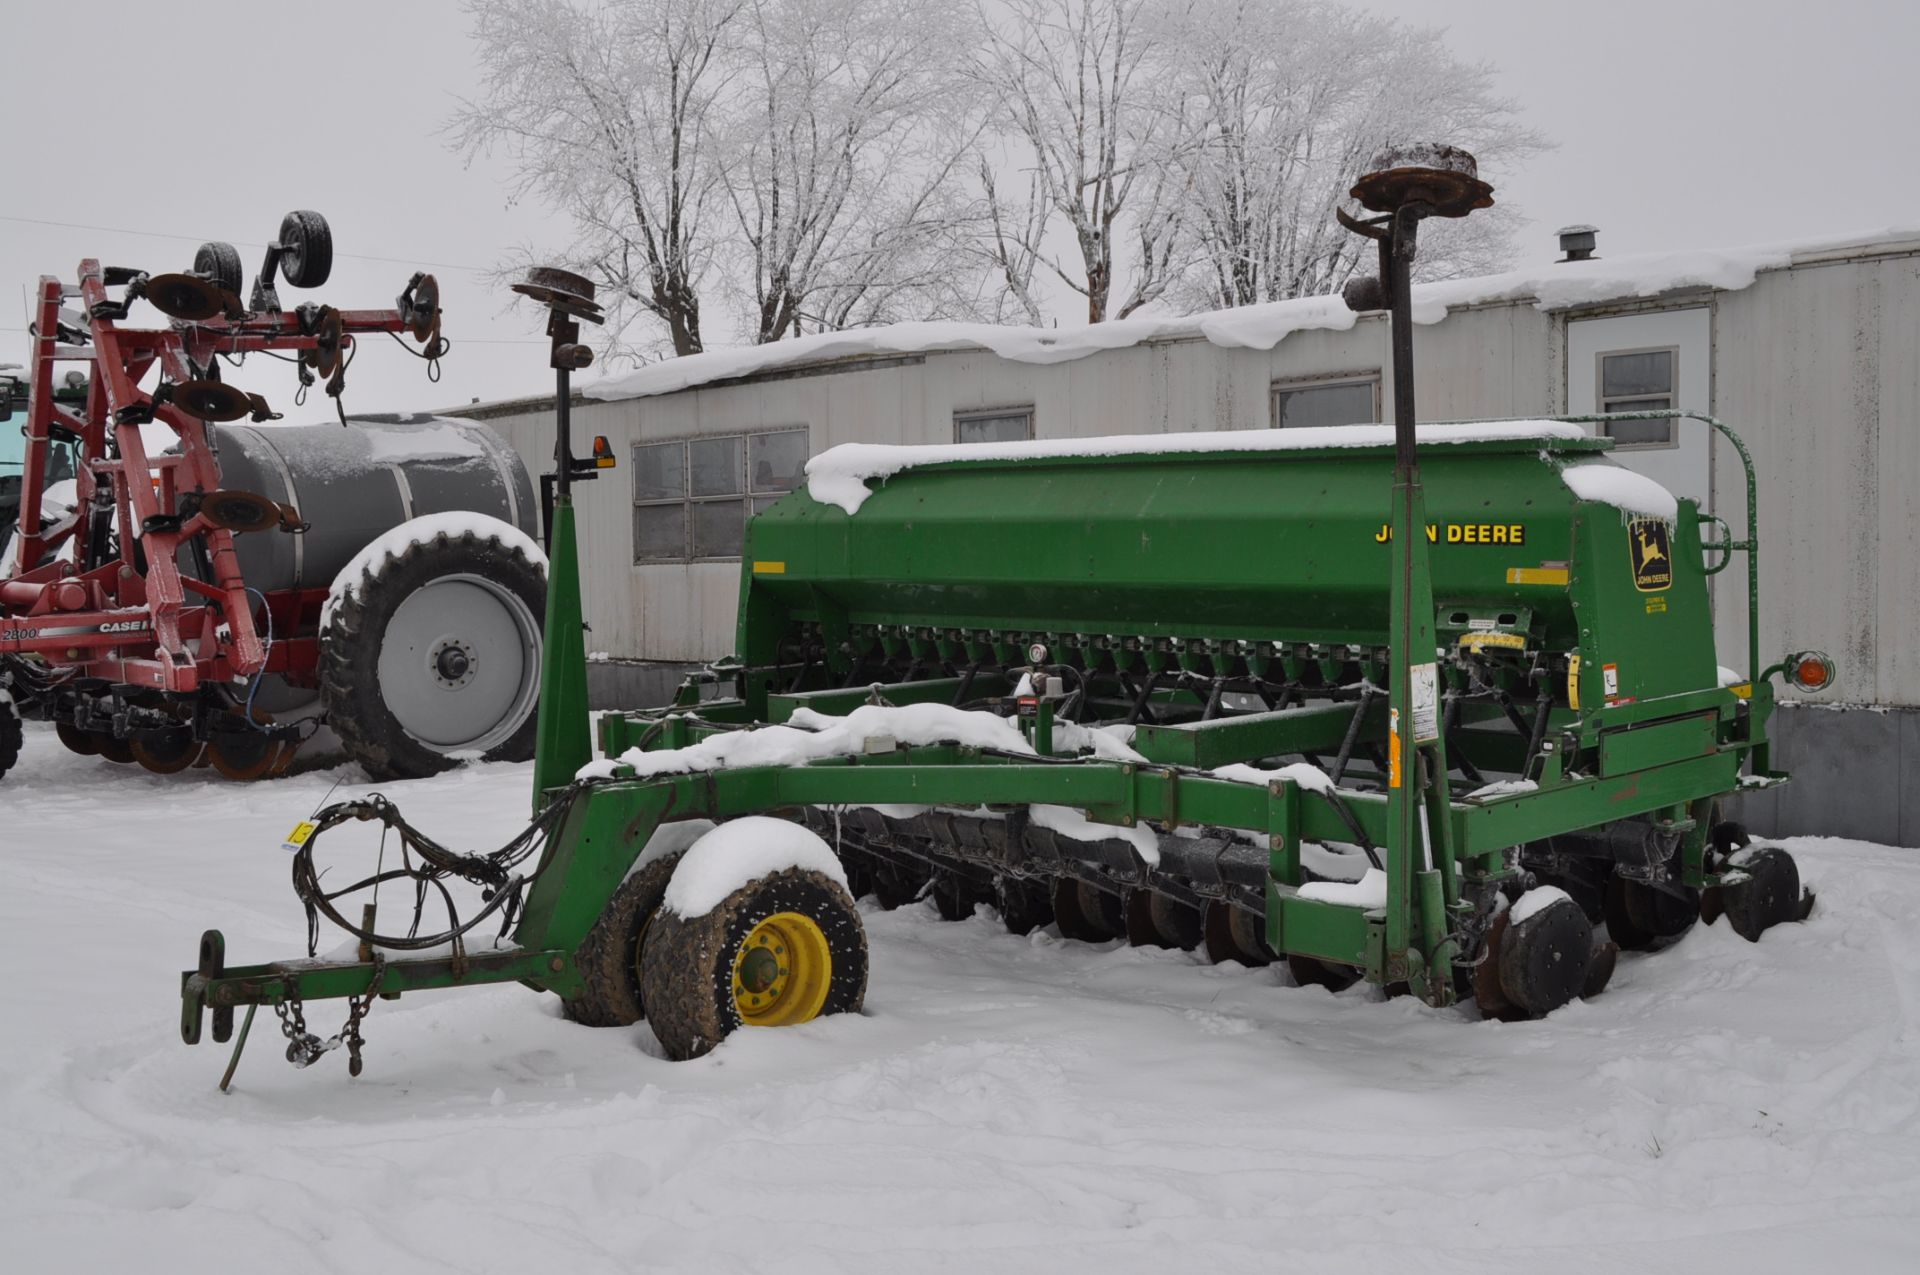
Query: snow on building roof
[(1554, 286)]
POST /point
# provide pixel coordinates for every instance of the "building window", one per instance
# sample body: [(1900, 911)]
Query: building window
[(692, 498), (1639, 381), (1347, 400), (1001, 425)]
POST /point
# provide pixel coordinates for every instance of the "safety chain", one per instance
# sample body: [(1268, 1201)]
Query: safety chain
[(304, 1048)]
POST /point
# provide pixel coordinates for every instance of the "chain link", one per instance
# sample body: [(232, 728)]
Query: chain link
[(304, 1048)]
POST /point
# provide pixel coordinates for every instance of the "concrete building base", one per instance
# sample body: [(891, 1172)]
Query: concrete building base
[(1856, 774)]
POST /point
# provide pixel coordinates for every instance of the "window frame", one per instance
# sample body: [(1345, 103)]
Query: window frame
[(745, 496), (991, 413), (1290, 385), (1601, 399)]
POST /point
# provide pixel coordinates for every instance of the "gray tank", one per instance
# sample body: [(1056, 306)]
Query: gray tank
[(352, 483)]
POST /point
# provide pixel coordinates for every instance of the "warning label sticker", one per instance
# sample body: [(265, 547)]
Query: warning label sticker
[(1426, 702)]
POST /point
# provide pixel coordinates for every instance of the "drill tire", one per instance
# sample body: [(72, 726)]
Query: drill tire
[(609, 958), (687, 963)]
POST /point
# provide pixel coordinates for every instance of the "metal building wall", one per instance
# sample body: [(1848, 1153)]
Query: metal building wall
[(1818, 367)]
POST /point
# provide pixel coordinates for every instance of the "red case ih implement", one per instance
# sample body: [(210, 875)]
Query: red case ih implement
[(128, 620)]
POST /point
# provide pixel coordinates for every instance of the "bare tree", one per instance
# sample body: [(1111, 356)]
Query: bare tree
[(610, 112), (842, 170), (1015, 231), (1101, 128), (1298, 96)]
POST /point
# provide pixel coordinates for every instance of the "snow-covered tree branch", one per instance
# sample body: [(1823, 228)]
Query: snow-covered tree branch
[(817, 164), (610, 112), (843, 164), (1297, 96), (1101, 131)]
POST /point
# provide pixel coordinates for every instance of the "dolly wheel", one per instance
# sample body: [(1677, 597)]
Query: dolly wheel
[(220, 262), (609, 957), (783, 949), (306, 257)]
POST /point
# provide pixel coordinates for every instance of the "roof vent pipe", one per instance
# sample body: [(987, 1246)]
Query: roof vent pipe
[(1577, 242)]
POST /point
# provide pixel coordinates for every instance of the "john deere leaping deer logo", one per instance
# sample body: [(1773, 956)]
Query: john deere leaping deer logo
[(1652, 553)]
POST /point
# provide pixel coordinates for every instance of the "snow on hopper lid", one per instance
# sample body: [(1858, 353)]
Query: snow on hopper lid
[(839, 475), (1609, 484)]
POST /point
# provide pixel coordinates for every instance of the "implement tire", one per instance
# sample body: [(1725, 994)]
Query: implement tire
[(12, 738), (782, 949), (436, 651), (609, 957)]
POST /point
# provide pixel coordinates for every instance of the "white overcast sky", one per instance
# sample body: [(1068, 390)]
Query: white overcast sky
[(1680, 123)]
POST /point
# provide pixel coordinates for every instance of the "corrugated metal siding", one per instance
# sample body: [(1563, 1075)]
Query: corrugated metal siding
[(1818, 368)]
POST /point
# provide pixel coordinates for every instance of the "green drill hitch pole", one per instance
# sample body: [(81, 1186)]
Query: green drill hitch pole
[(1405, 187), (564, 741)]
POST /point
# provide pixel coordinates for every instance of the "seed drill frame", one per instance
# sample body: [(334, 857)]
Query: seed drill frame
[(1663, 762)]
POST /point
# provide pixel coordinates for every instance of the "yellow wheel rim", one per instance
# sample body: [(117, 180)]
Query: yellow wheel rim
[(781, 972)]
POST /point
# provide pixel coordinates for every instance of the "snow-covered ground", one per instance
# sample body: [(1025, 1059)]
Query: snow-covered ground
[(1004, 1104)]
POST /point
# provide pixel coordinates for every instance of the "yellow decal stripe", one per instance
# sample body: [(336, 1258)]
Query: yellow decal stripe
[(1537, 575), (769, 568)]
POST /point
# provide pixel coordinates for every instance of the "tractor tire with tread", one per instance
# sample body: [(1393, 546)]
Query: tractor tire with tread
[(355, 648), (687, 966)]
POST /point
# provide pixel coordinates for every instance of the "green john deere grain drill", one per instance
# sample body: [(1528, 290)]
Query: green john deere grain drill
[(1440, 711)]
